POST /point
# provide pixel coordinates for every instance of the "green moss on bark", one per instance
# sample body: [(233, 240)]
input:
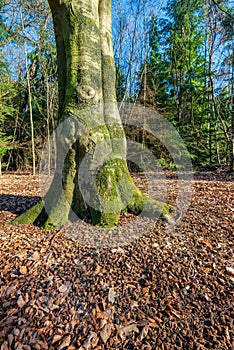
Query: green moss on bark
[(30, 215), (119, 193)]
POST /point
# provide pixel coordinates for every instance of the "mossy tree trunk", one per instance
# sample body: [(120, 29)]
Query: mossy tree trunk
[(86, 79)]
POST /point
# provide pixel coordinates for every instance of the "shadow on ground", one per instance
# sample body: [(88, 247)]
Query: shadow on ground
[(17, 204)]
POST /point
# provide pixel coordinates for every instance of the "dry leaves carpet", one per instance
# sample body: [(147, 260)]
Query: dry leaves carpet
[(167, 290)]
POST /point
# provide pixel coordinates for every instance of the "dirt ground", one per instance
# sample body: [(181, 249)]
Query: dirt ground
[(168, 289)]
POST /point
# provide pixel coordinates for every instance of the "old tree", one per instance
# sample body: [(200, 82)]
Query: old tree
[(87, 100)]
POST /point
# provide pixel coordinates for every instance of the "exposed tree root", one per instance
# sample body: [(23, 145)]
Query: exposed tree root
[(116, 193)]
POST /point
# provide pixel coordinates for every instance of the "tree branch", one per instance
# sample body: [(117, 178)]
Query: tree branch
[(222, 10)]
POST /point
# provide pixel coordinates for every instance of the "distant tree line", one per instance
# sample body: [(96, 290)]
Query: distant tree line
[(176, 57), (188, 76)]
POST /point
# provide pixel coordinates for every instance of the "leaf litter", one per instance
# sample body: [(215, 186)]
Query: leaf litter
[(166, 290)]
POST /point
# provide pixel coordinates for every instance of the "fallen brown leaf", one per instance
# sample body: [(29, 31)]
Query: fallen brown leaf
[(105, 332), (65, 342), (23, 270), (21, 302), (127, 330)]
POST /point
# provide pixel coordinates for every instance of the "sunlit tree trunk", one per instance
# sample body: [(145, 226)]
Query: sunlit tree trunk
[(86, 78), (29, 103), (232, 114)]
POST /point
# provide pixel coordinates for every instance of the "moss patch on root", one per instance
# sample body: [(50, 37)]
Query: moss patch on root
[(30, 216), (119, 193)]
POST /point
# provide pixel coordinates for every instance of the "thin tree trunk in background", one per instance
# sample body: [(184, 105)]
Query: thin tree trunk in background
[(144, 99), (29, 102), (31, 115), (211, 96), (48, 124), (232, 124), (217, 148)]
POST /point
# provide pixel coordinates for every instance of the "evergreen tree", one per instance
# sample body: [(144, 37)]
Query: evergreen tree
[(182, 78)]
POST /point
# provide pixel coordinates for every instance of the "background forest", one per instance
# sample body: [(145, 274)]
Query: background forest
[(174, 56)]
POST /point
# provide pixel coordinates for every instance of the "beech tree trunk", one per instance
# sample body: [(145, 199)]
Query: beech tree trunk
[(86, 80)]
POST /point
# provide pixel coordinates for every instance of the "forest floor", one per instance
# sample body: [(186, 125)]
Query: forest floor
[(169, 289)]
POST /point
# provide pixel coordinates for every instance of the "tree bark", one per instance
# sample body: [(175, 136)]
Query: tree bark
[(86, 78), (231, 166), (29, 101)]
